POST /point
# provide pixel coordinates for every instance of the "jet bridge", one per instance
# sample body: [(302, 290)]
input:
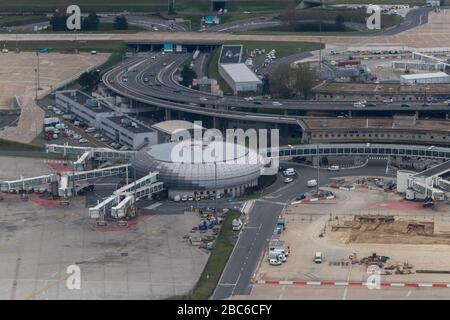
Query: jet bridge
[(22, 183), (67, 182), (123, 199), (85, 154), (423, 191)]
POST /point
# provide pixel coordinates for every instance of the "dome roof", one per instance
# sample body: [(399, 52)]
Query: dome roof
[(194, 165)]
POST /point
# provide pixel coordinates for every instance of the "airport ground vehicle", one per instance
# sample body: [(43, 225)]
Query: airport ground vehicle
[(333, 168), (318, 257), (311, 183), (275, 262)]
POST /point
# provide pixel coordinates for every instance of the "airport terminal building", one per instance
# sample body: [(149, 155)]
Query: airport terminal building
[(182, 174)]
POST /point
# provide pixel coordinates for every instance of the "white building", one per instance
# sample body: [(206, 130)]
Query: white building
[(114, 125), (424, 78), (240, 78)]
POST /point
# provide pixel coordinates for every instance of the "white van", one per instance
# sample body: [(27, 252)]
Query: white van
[(311, 183), (279, 251), (318, 257)]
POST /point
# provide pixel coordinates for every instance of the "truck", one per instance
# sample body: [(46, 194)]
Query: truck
[(51, 121), (68, 117), (237, 224)]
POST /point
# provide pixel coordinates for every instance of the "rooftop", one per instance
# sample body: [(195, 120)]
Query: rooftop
[(239, 72), (437, 170), (139, 128), (316, 124), (424, 76), (381, 88), (82, 98), (173, 126), (231, 54)]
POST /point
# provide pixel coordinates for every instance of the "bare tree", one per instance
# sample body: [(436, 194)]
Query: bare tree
[(281, 82), (305, 79)]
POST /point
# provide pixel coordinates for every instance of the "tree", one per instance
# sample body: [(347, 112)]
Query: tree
[(88, 80), (339, 21), (285, 81), (120, 23), (281, 82), (188, 75), (91, 22), (58, 21), (289, 18), (305, 79)]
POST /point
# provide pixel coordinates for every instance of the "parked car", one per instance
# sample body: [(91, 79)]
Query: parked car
[(275, 262), (333, 168), (83, 140), (318, 257)]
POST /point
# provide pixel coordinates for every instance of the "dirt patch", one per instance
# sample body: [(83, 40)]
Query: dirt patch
[(386, 229)]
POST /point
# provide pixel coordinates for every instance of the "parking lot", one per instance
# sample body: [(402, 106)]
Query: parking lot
[(18, 79)]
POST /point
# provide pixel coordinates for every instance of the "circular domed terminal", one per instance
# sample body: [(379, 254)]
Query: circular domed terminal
[(195, 167)]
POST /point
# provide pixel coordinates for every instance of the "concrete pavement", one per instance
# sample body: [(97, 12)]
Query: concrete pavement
[(235, 279)]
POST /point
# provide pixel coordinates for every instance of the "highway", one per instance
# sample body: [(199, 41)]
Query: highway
[(236, 277), (162, 90)]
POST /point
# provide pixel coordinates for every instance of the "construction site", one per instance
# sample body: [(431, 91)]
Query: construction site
[(365, 225)]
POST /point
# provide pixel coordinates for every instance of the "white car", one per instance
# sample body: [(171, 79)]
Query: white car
[(388, 101), (89, 130), (289, 172), (275, 262), (248, 99), (203, 99), (288, 180), (311, 183), (77, 137), (276, 103), (184, 198), (333, 168), (359, 105), (82, 140)]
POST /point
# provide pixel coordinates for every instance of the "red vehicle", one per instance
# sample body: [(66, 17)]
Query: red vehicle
[(344, 63), (48, 136)]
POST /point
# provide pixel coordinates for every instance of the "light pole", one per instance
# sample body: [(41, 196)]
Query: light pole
[(318, 169), (35, 84), (215, 189), (38, 62)]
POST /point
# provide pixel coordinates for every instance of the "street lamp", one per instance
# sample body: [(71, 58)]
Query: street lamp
[(318, 168)]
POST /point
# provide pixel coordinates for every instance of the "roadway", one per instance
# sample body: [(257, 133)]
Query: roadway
[(236, 277), (162, 90)]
